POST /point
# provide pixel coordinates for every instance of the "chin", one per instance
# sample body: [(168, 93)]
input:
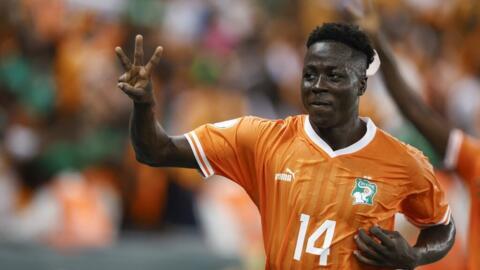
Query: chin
[(322, 120)]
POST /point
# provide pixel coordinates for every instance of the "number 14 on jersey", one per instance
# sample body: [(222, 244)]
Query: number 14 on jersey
[(328, 226)]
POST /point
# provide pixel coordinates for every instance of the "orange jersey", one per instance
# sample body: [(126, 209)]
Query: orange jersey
[(463, 155), (312, 199)]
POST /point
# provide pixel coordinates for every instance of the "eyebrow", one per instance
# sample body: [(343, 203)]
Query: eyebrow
[(328, 67)]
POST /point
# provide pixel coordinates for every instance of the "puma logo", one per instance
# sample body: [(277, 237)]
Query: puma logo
[(287, 176)]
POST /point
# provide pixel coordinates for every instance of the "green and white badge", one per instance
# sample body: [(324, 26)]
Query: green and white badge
[(363, 191)]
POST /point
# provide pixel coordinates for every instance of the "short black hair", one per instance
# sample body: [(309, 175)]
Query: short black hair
[(348, 34)]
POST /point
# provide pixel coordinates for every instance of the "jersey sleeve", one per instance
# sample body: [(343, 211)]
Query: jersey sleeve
[(463, 154), (425, 204), (228, 149)]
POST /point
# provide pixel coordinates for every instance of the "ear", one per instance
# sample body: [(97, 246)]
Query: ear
[(363, 86)]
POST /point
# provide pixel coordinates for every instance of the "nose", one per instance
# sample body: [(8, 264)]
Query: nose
[(319, 85)]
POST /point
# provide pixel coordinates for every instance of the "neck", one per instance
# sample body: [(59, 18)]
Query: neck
[(344, 134)]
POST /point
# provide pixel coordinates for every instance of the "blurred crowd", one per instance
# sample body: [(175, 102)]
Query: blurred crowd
[(68, 175)]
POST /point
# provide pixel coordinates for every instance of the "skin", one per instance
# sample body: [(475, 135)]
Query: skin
[(333, 80), (435, 129), (432, 243), (151, 143)]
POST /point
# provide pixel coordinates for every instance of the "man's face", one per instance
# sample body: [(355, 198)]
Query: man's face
[(333, 79)]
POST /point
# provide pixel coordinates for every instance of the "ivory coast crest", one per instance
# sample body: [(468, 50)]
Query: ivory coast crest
[(364, 191)]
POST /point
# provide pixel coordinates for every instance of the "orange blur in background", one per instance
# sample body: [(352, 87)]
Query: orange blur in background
[(69, 182)]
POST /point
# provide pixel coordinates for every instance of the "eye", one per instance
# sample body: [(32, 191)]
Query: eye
[(309, 76), (335, 77)]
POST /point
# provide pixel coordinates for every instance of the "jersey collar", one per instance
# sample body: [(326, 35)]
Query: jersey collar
[(357, 146)]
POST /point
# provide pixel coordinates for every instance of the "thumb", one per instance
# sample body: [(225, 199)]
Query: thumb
[(130, 90)]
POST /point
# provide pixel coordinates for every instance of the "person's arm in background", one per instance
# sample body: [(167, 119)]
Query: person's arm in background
[(435, 129), (458, 151), (151, 143)]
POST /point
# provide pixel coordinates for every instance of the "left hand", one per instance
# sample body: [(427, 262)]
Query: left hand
[(393, 251)]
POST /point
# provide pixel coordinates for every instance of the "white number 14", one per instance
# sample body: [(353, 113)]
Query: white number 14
[(324, 251)]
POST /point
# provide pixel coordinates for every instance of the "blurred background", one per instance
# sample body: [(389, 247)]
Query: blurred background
[(72, 195)]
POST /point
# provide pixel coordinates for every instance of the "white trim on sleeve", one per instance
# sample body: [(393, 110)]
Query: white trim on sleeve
[(453, 149), (210, 170), (206, 169)]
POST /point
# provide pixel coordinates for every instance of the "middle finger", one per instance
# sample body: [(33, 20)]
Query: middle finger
[(138, 54), (370, 242), (367, 251)]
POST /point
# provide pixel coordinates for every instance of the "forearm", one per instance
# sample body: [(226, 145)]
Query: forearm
[(151, 143), (149, 139), (427, 121), (434, 243)]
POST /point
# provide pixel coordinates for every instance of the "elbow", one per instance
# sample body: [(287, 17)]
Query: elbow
[(153, 156), (148, 160), (435, 243), (453, 232), (144, 160), (447, 245)]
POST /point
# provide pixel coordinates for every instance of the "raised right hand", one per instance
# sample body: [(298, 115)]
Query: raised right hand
[(135, 82)]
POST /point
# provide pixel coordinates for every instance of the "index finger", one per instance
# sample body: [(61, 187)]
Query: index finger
[(154, 60), (138, 54), (380, 234), (124, 60)]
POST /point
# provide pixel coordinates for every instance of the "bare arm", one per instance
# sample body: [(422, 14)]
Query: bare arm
[(434, 243), (153, 146), (151, 143), (427, 121), (395, 252)]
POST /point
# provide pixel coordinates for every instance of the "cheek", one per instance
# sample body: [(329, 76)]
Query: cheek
[(348, 98), (304, 86), (351, 100)]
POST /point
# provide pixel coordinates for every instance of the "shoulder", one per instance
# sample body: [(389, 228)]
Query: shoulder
[(263, 124), (267, 131), (403, 152)]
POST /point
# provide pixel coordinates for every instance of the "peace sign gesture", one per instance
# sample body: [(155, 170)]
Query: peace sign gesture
[(136, 79)]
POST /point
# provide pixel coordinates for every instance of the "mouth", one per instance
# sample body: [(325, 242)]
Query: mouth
[(321, 103)]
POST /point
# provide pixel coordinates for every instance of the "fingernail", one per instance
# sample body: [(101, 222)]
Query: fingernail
[(355, 237)]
